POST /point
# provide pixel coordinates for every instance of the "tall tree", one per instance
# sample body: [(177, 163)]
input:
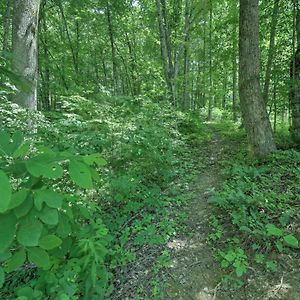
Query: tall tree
[(255, 117), (25, 62), (6, 25), (271, 50), (295, 78)]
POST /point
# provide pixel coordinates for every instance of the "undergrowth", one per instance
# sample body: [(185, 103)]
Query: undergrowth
[(255, 223), (113, 170)]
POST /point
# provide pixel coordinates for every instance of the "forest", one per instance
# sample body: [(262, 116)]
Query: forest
[(149, 149)]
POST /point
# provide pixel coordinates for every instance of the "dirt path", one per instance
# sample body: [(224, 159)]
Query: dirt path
[(194, 274)]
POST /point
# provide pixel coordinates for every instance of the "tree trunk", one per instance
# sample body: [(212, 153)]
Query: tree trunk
[(186, 68), (255, 117), (295, 76), (165, 51), (25, 62), (234, 74), (113, 51), (211, 96), (271, 50), (6, 26)]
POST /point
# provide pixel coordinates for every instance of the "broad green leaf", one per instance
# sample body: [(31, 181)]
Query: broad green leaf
[(29, 232), (39, 257), (24, 208), (291, 241), (9, 144), (273, 230), (51, 198), (18, 198), (4, 256), (80, 174), (2, 277), (16, 261), (22, 150), (26, 292), (64, 297), (4, 142), (44, 165), (64, 227), (7, 231), (5, 192), (94, 159), (49, 216), (50, 242)]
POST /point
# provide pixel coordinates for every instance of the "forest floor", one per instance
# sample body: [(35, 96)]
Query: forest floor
[(194, 273)]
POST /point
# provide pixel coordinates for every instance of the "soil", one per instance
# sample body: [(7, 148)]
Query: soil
[(194, 273)]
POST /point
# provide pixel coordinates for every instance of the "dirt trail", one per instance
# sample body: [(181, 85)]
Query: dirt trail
[(194, 274)]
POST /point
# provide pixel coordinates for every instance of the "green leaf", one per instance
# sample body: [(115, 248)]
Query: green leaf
[(18, 198), (39, 257), (291, 241), (25, 292), (29, 233), (4, 256), (51, 198), (240, 269), (7, 231), (5, 190), (44, 165), (9, 144), (279, 246), (272, 230), (64, 297), (64, 227), (49, 216), (16, 261), (80, 174), (2, 277), (50, 242), (24, 208), (22, 150), (259, 258), (230, 256), (94, 159)]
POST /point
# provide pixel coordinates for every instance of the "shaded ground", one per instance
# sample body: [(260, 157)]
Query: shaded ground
[(194, 273)]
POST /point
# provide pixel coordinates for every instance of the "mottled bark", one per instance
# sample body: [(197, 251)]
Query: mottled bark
[(211, 96), (271, 50), (165, 51), (25, 62), (234, 73), (6, 26), (295, 77), (255, 117), (113, 50)]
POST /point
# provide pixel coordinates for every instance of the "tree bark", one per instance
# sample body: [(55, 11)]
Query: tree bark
[(113, 50), (186, 68), (6, 26), (165, 51), (234, 73), (255, 117), (211, 96), (25, 62), (295, 76), (271, 50)]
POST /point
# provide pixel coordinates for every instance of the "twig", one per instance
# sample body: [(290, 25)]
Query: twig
[(216, 289)]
